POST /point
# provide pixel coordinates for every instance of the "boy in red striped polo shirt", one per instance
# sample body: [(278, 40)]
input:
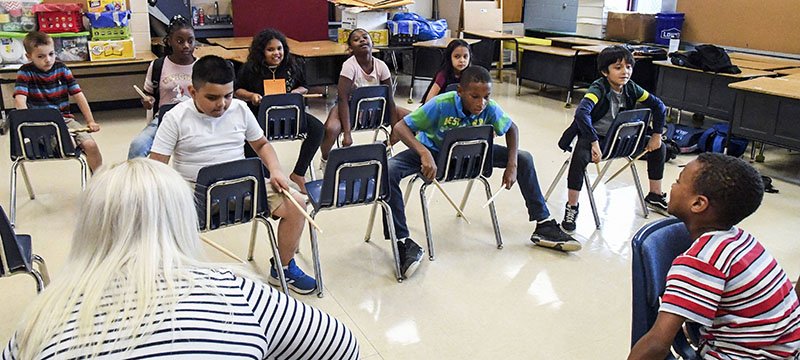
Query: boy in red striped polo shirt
[(726, 281)]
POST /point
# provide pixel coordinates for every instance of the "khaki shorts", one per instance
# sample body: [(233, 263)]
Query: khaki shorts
[(81, 136), (276, 199)]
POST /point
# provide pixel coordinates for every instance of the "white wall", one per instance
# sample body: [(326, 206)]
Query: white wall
[(422, 7)]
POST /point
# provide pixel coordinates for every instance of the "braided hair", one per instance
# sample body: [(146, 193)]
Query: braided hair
[(176, 23)]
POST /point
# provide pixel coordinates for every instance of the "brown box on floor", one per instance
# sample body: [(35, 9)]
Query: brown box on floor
[(630, 26)]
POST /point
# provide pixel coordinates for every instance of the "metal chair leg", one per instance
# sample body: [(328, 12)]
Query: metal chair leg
[(568, 104), (407, 193), (371, 222), (639, 190), (84, 172), (251, 248), (13, 198), (466, 196), (601, 174), (273, 242), (312, 172), (492, 212), (393, 235), (557, 179), (27, 181), (315, 257), (40, 284), (42, 268), (427, 220), (591, 199)]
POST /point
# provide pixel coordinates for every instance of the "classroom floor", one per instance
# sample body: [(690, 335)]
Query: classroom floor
[(473, 301)]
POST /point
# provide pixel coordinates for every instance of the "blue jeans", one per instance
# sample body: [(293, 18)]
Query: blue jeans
[(141, 144), (408, 163)]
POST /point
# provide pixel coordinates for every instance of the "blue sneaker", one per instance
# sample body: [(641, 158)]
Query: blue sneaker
[(296, 279)]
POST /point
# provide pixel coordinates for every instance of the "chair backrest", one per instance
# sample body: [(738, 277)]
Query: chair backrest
[(163, 109), (466, 153), (38, 134), (624, 138), (369, 107), (282, 116), (451, 87), (654, 248), (11, 254), (230, 193), (355, 175)]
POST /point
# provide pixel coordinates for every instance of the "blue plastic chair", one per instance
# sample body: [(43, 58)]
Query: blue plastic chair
[(654, 247), (624, 140), (355, 176), (466, 155), (369, 111), (39, 135), (17, 257), (234, 193)]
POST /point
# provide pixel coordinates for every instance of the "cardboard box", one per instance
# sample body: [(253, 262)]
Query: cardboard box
[(100, 5), (111, 50), (630, 26), (379, 37), (367, 20), (482, 15)]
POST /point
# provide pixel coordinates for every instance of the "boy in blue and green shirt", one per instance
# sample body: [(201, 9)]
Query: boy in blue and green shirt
[(469, 106)]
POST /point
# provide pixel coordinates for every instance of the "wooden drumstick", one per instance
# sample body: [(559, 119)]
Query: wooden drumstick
[(86, 129), (491, 199), (291, 198), (450, 200), (312, 95)]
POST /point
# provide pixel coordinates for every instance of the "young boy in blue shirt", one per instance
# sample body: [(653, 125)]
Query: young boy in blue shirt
[(469, 106), (605, 98)]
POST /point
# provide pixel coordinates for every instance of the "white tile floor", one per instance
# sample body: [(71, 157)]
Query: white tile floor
[(473, 301)]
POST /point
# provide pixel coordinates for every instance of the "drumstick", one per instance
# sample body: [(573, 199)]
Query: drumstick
[(302, 210), (140, 92), (491, 199), (626, 166), (450, 200), (222, 249), (86, 129), (312, 95)]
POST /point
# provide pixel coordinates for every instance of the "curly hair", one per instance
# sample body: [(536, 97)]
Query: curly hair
[(733, 187), (256, 60), (176, 23)]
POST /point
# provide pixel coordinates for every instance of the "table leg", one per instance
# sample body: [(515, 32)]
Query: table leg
[(500, 62)]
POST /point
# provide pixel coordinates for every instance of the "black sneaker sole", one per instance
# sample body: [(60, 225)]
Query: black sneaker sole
[(657, 208), (565, 246), (277, 283), (568, 231)]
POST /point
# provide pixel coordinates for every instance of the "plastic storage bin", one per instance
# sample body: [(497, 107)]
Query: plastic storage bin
[(112, 33), (59, 18), (71, 46), (668, 26), (17, 16), (11, 49)]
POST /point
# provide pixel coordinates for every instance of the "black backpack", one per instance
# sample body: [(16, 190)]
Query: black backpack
[(707, 58), (155, 79)]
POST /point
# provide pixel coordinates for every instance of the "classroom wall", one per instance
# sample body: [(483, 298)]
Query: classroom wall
[(770, 26), (555, 15)]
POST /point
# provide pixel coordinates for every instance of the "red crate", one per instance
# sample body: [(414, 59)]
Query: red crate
[(58, 18)]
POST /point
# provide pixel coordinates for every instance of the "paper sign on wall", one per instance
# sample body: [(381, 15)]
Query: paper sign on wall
[(274, 86)]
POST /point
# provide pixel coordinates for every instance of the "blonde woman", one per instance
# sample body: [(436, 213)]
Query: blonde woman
[(134, 286)]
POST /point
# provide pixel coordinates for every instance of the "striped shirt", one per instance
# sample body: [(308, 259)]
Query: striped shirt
[(47, 89), (224, 317), (444, 112), (728, 283)]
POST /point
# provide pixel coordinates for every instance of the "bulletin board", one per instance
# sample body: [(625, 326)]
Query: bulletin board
[(759, 25)]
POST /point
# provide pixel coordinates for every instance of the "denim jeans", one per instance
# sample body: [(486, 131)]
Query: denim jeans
[(141, 144), (408, 163)]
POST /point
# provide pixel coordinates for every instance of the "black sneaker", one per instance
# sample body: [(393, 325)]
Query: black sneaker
[(410, 257), (570, 214), (657, 202), (549, 234)]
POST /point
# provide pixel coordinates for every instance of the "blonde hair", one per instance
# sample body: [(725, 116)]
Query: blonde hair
[(133, 250)]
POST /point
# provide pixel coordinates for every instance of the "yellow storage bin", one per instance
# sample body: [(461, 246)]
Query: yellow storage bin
[(111, 50), (379, 37)]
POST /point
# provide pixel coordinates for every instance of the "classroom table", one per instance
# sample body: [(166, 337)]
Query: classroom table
[(764, 58), (432, 52), (242, 42), (555, 66), (768, 110), (220, 51), (493, 37), (698, 91), (570, 41), (789, 71), (760, 65)]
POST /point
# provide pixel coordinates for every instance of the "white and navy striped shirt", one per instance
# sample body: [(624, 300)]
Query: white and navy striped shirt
[(734, 288), (225, 316)]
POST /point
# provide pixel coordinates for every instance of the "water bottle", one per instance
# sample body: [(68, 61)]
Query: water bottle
[(201, 17)]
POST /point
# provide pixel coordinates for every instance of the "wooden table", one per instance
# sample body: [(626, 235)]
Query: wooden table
[(768, 110), (242, 42), (700, 92), (555, 66), (220, 51), (493, 37), (569, 41), (764, 58), (789, 71), (758, 65), (433, 53)]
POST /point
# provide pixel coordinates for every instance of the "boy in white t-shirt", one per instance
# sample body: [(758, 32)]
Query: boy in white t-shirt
[(211, 129)]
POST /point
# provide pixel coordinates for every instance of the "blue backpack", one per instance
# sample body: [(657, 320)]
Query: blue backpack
[(713, 140)]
